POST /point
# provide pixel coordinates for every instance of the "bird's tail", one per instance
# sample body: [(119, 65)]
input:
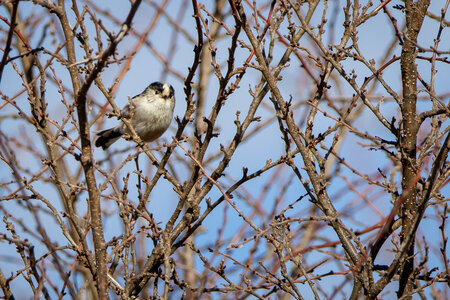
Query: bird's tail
[(107, 137)]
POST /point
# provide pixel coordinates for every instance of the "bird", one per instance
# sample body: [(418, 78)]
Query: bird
[(150, 114)]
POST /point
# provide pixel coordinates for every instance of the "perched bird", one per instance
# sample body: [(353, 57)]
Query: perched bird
[(150, 113)]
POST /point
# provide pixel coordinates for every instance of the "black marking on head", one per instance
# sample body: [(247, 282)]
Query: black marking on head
[(172, 91), (158, 88)]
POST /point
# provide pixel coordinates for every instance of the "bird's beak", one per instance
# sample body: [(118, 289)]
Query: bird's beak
[(167, 91)]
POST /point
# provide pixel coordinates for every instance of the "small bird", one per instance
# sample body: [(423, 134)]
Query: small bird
[(150, 112)]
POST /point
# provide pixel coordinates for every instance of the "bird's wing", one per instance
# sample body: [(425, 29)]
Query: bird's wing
[(129, 109), (125, 112)]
